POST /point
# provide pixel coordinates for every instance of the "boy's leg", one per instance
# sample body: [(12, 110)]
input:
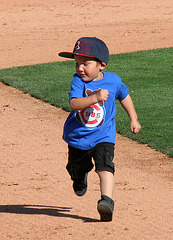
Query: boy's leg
[(106, 182), (103, 155), (106, 204), (79, 164)]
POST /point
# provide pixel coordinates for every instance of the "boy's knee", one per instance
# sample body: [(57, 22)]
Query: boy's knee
[(104, 172)]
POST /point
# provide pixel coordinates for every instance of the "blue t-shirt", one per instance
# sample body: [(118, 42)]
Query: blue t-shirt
[(85, 128)]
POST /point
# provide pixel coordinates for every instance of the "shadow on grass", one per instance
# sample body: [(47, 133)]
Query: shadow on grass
[(43, 210)]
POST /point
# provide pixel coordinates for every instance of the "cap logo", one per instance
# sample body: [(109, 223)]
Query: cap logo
[(77, 46), (82, 46)]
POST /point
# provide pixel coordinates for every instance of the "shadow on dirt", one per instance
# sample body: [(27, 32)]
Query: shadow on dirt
[(43, 210)]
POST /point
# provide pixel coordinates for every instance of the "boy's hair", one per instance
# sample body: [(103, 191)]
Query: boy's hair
[(89, 47)]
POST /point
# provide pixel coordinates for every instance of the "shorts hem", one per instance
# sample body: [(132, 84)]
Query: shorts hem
[(105, 169)]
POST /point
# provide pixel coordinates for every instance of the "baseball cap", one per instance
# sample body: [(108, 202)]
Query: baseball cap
[(89, 47)]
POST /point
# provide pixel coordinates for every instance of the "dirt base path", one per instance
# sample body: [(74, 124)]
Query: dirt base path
[(37, 201)]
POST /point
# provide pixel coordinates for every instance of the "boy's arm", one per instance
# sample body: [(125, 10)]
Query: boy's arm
[(81, 103), (127, 104)]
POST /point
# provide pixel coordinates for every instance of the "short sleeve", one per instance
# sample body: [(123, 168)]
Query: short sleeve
[(77, 87), (122, 92)]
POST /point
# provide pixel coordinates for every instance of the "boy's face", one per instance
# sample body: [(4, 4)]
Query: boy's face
[(88, 68)]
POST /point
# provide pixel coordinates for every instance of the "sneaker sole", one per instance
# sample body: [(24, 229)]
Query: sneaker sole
[(81, 193), (105, 212)]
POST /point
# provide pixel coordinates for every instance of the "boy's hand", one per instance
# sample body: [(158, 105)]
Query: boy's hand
[(135, 126), (102, 95)]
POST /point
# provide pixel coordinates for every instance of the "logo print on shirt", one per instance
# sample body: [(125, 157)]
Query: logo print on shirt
[(93, 116)]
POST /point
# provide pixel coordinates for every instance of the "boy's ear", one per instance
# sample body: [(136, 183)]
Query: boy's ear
[(102, 66)]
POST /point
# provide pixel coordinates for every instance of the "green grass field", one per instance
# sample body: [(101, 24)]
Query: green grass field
[(147, 74)]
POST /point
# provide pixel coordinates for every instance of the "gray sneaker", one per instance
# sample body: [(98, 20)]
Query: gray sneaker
[(105, 208)]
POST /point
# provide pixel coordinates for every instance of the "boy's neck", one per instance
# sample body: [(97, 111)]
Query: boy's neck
[(101, 76)]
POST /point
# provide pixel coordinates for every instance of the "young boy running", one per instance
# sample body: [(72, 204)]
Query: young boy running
[(90, 128)]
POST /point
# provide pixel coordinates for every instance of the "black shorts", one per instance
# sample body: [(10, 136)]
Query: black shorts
[(80, 161)]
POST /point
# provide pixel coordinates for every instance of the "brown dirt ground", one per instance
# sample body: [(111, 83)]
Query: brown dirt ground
[(37, 201)]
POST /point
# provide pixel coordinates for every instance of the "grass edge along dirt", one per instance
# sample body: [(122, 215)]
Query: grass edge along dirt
[(147, 74)]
